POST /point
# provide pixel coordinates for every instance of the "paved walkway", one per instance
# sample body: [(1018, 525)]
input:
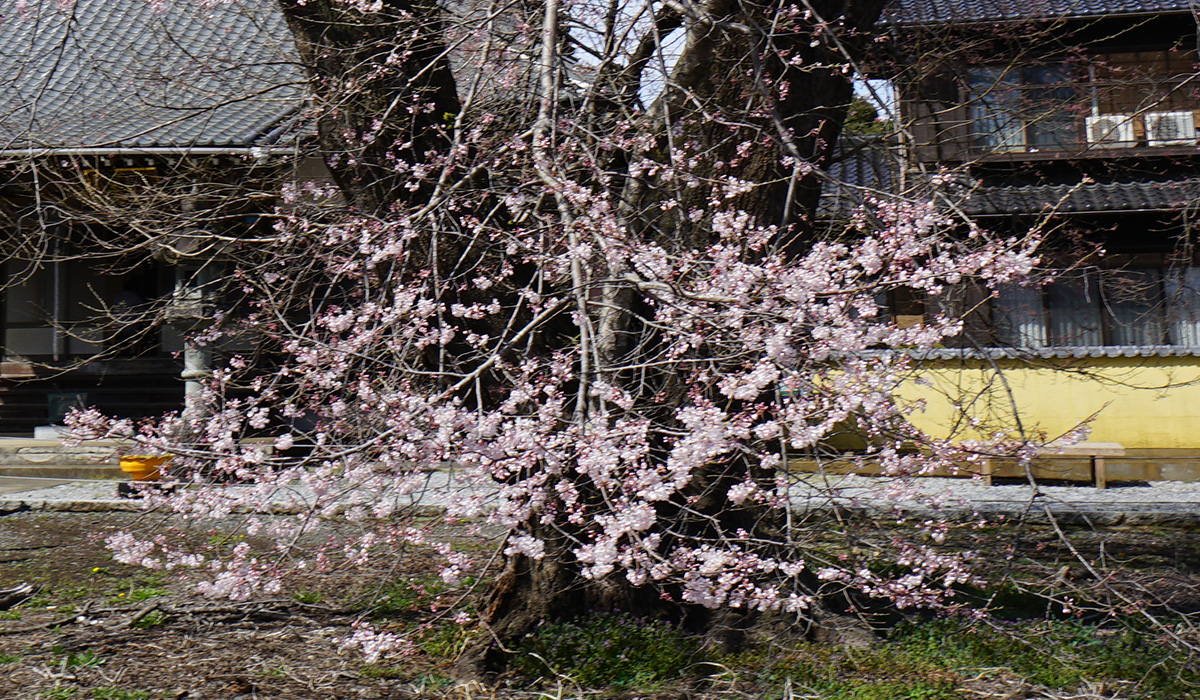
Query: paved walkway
[(21, 485), (1163, 502), (1158, 502)]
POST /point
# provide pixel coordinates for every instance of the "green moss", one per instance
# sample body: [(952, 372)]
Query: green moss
[(381, 671)]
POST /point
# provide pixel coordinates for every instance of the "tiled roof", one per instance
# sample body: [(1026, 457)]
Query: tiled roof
[(864, 166), (143, 74), (1145, 195), (1082, 351), (957, 11)]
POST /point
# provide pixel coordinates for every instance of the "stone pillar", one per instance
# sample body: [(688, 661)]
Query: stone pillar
[(190, 313)]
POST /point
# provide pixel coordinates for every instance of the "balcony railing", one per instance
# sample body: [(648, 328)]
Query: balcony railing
[(1008, 117)]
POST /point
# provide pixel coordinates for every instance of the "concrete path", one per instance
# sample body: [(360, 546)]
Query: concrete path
[(1160, 503), (24, 485), (1173, 503)]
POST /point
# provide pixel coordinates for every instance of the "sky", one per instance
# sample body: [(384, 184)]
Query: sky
[(880, 93)]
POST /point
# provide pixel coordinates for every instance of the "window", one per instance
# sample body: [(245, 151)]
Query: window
[(1181, 287), (56, 313), (1093, 307), (996, 109), (1014, 109), (1118, 100), (1137, 81), (1086, 307), (1051, 109)]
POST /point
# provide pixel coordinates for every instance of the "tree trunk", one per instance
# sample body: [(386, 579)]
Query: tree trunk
[(732, 68), (797, 106), (384, 94), (529, 592)]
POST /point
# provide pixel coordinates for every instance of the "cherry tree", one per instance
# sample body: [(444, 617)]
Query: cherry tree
[(568, 279)]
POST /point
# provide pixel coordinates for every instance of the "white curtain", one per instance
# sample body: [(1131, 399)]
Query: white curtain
[(1182, 287), (1073, 310), (1133, 304), (1020, 317)]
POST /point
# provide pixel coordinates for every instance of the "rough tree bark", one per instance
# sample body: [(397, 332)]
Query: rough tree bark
[(365, 97)]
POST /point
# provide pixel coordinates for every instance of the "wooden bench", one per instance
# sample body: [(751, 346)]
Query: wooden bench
[(1096, 451)]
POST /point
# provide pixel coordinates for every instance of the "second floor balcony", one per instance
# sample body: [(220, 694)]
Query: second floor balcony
[(1112, 105)]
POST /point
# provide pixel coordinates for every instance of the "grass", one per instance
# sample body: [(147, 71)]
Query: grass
[(931, 660), (309, 597), (154, 618), (431, 681), (1060, 654), (143, 587), (121, 586), (73, 592), (146, 593), (408, 596), (278, 671), (42, 600), (445, 641), (225, 539), (829, 672), (84, 659), (617, 650), (382, 671), (110, 693), (922, 660), (1026, 641)]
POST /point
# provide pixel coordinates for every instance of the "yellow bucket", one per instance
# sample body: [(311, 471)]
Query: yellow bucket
[(143, 467)]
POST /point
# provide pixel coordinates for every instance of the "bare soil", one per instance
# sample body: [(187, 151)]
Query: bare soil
[(98, 629), (104, 631)]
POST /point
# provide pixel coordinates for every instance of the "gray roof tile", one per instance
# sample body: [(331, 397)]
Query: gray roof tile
[(954, 11), (864, 167), (1081, 352), (140, 74), (1094, 197)]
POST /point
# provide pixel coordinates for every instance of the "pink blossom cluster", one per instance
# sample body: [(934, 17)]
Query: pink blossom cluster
[(375, 644), (776, 354)]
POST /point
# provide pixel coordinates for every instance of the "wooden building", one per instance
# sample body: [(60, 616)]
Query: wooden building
[(1080, 119), (133, 136)]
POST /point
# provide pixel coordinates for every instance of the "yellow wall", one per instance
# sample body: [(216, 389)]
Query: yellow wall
[(1140, 402)]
